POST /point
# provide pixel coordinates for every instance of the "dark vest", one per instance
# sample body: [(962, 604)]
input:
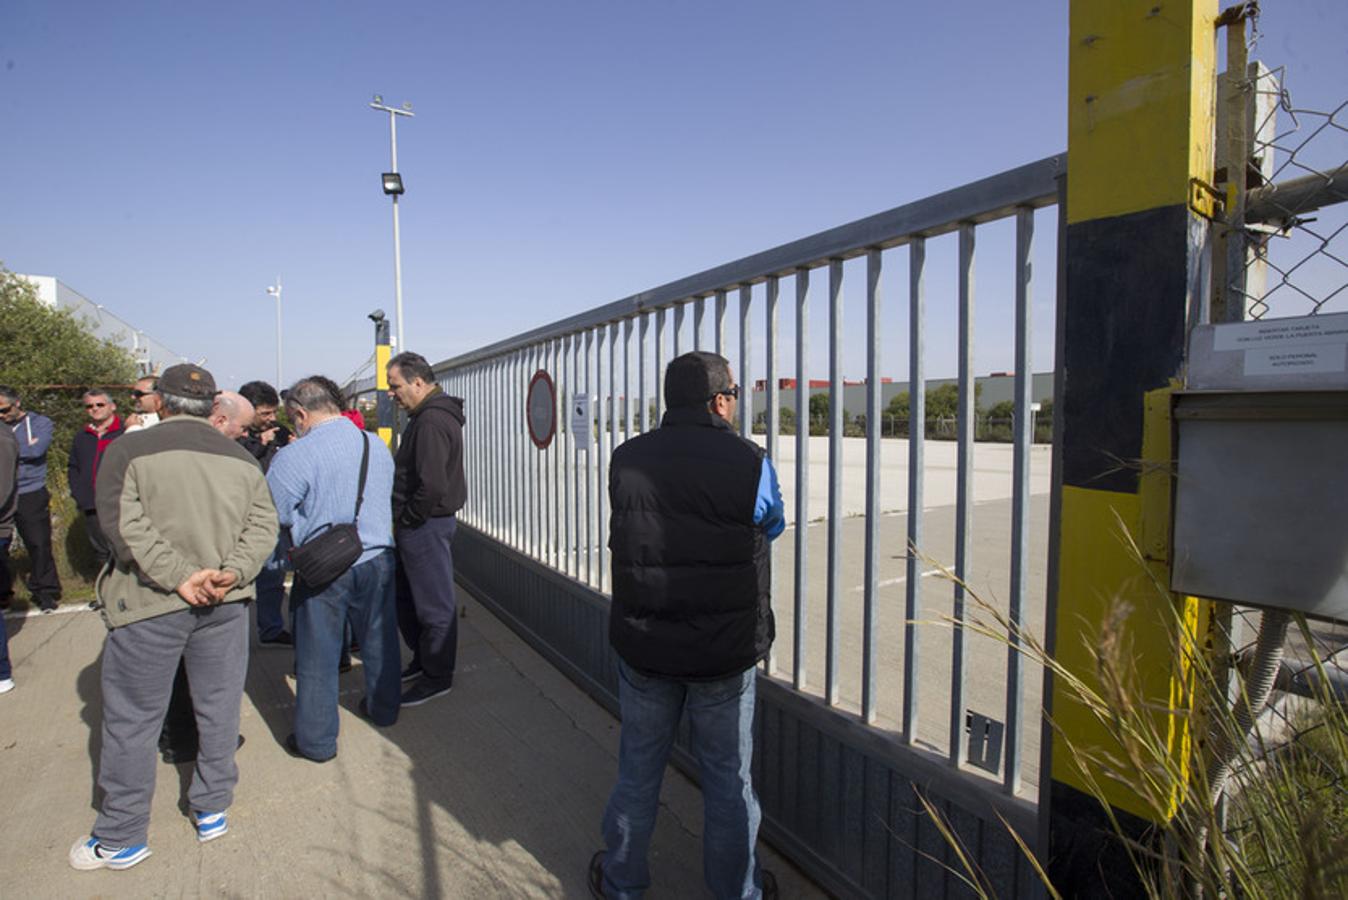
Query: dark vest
[(690, 567)]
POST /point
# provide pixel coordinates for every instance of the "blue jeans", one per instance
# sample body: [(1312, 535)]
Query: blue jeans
[(271, 590), (363, 596), (721, 716)]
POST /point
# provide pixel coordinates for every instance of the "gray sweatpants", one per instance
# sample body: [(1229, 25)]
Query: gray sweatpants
[(139, 661)]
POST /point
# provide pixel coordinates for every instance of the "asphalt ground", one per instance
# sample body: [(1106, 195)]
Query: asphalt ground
[(493, 791)]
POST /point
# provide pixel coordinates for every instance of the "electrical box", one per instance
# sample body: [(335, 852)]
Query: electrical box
[(1261, 481)]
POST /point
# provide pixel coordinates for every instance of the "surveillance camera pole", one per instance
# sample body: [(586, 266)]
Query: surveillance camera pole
[(393, 114), (275, 291)]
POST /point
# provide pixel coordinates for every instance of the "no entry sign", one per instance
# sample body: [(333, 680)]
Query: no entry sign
[(541, 409)]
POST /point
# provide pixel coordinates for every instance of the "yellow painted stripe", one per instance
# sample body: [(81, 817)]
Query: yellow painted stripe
[(1109, 593), (382, 354), (386, 435), (1140, 101)]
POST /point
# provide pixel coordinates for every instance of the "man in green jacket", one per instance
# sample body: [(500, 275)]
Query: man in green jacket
[(190, 521)]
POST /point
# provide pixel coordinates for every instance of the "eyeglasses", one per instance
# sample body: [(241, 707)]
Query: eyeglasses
[(137, 394), (4, 410), (733, 391), (94, 405)]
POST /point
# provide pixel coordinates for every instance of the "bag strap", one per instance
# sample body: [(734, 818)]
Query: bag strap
[(364, 467)]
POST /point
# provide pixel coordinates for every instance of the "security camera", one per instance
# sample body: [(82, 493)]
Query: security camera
[(377, 316)]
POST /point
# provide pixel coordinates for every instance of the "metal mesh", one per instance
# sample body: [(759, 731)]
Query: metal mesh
[(1296, 752), (1296, 217)]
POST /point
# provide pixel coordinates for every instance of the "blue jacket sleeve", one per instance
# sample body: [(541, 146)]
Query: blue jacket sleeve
[(769, 510), (38, 430)]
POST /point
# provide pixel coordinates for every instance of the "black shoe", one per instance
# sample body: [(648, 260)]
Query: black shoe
[(355, 647), (284, 639), (424, 690), (47, 604), (595, 876), (175, 755), (294, 750), (412, 672), (344, 666), (769, 884)]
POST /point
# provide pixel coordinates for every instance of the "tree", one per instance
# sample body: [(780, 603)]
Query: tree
[(49, 357)]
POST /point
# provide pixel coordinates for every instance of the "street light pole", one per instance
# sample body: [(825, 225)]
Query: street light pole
[(275, 291), (393, 187)]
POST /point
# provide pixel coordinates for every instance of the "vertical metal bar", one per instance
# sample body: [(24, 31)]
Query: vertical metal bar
[(613, 443), (802, 472), (699, 312), (835, 436), (567, 462), (746, 386), (494, 422), (678, 328), (871, 581), (659, 366), (578, 501), (555, 482), (917, 451), (718, 337), (1020, 492), (514, 395), (591, 455), (642, 410), (627, 379), (963, 489), (535, 499), (770, 421)]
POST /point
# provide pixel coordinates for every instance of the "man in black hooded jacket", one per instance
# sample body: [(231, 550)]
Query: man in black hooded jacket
[(428, 490)]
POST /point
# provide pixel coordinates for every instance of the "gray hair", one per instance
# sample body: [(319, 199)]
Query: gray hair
[(97, 392), (312, 395), (198, 407), (9, 393)]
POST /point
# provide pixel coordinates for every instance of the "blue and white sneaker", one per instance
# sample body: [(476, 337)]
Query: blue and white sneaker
[(88, 854), (210, 825)]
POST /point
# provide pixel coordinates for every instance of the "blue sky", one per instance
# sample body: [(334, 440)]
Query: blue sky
[(170, 160)]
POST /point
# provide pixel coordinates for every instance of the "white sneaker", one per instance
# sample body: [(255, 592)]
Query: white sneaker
[(6, 685)]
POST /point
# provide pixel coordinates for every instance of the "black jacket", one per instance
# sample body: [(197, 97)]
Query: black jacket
[(428, 475), (252, 442), (690, 568), (83, 465)]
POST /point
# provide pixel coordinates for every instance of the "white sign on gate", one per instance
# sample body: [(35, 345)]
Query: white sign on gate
[(582, 422)]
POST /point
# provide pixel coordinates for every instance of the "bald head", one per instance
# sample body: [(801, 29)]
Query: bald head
[(231, 415)]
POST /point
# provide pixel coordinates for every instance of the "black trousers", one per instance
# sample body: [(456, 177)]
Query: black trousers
[(98, 541), (32, 520)]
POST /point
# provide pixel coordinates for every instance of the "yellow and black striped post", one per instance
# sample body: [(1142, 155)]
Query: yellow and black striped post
[(383, 403), (1141, 91)]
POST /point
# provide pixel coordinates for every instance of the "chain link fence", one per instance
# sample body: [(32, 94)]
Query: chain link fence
[(1296, 217)]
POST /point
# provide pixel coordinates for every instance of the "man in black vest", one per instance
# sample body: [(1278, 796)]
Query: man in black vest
[(694, 507)]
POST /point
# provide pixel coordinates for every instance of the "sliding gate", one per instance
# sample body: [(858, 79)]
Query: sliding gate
[(864, 391)]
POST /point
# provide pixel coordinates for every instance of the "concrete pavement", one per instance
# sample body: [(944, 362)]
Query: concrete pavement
[(495, 791)]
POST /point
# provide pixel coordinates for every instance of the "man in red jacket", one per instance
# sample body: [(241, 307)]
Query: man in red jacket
[(85, 454)]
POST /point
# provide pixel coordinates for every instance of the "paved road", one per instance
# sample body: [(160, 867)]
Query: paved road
[(497, 791)]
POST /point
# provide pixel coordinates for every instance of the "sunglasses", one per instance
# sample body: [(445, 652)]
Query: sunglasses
[(137, 394), (4, 410), (94, 405), (729, 392)]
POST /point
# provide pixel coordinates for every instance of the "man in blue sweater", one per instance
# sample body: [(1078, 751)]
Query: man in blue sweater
[(314, 482), (32, 517)]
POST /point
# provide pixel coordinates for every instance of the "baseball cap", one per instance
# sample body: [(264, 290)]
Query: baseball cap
[(187, 380)]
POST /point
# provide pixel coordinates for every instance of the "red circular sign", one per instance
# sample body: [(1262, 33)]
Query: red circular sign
[(540, 409)]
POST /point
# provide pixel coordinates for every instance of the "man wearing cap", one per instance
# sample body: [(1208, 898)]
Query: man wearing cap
[(190, 521)]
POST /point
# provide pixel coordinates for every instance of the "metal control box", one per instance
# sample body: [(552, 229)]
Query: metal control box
[(1261, 480)]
